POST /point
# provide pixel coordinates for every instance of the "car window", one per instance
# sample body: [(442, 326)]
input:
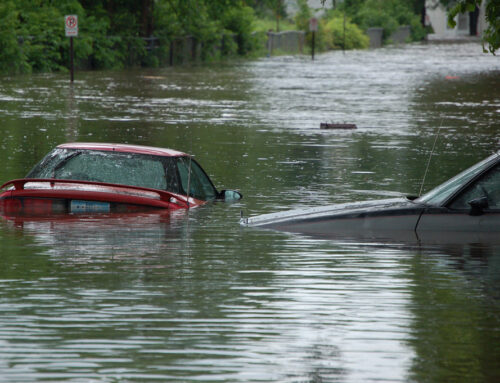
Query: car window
[(199, 184), (165, 173), (118, 168), (173, 183), (440, 195), (487, 186), (99, 166), (45, 167)]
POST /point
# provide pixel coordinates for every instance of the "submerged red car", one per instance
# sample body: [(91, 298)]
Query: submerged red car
[(108, 178)]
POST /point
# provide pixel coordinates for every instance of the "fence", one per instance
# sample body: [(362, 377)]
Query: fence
[(287, 42), (376, 35), (188, 49)]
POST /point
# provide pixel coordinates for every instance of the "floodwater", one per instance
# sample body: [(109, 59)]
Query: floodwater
[(194, 297)]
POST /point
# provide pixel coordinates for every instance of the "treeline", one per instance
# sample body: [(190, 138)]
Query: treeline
[(114, 33), (122, 33)]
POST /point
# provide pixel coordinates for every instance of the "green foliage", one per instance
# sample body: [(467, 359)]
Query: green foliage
[(344, 35), (12, 57), (267, 24), (303, 15), (42, 37), (492, 34), (336, 33), (389, 14), (100, 49), (269, 8), (112, 34), (239, 21)]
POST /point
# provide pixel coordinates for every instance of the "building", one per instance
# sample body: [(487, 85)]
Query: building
[(470, 24), (316, 7)]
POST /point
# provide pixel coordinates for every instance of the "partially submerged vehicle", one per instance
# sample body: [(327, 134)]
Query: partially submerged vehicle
[(466, 205), (109, 178)]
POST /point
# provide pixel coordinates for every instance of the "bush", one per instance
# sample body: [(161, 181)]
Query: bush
[(389, 15), (335, 38), (42, 38), (12, 57), (239, 20)]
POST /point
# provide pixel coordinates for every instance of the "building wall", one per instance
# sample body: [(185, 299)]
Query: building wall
[(438, 19), (316, 8)]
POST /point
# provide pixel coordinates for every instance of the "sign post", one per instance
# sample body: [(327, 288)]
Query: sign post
[(71, 27), (313, 27)]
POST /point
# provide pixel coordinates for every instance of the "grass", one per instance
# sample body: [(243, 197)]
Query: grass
[(265, 25)]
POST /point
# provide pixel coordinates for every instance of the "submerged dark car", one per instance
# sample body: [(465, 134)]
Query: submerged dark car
[(467, 205), (110, 178)]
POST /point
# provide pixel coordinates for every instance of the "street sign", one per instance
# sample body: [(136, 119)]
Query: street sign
[(313, 24), (71, 25)]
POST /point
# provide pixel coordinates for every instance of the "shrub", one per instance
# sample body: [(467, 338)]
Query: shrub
[(12, 57), (389, 15), (239, 20), (335, 38)]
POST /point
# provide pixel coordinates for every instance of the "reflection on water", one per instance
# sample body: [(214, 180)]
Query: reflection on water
[(196, 297), (83, 236)]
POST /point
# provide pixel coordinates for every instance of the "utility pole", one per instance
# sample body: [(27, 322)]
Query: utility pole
[(313, 27)]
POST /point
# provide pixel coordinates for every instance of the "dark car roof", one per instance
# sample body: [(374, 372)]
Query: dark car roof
[(124, 148)]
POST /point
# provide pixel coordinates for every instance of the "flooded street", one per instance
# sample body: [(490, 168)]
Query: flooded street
[(194, 297)]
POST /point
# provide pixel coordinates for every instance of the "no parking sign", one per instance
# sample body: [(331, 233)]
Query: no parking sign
[(71, 25)]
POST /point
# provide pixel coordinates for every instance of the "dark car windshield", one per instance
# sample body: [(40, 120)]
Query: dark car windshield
[(441, 194), (157, 172)]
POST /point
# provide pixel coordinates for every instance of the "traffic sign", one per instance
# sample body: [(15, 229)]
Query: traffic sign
[(313, 24), (71, 25)]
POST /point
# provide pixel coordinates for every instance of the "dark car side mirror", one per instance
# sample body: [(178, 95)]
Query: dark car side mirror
[(230, 195), (478, 205)]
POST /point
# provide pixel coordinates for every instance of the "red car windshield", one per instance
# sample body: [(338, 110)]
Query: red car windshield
[(144, 170)]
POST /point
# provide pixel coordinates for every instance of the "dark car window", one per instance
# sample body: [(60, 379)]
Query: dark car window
[(157, 172), (117, 168), (440, 194), (199, 184), (102, 166), (487, 186), (45, 167)]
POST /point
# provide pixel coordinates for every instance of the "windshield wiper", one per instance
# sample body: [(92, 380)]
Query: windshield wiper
[(64, 162)]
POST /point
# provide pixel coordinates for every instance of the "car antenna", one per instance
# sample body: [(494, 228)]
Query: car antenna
[(189, 181), (430, 157), (189, 172)]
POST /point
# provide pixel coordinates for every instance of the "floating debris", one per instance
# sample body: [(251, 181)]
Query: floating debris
[(330, 125)]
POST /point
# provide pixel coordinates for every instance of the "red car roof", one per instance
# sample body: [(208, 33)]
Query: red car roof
[(123, 148)]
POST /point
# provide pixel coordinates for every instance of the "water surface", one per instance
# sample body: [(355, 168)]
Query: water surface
[(194, 297)]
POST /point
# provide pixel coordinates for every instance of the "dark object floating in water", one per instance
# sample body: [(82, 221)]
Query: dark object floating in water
[(328, 125)]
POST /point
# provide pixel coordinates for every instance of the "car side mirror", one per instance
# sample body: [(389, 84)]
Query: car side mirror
[(230, 195), (478, 205)]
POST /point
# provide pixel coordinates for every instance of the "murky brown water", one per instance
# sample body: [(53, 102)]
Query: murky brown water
[(196, 297)]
